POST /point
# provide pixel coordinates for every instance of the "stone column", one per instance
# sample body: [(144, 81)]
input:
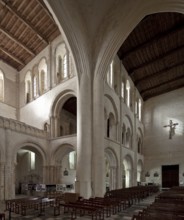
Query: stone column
[(45, 174), (9, 181), (134, 145), (84, 134), (54, 129), (52, 172), (58, 174), (98, 155)]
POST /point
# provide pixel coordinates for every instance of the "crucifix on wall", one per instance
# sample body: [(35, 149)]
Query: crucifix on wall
[(172, 127)]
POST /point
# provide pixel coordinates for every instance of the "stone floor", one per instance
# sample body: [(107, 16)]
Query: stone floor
[(48, 215)]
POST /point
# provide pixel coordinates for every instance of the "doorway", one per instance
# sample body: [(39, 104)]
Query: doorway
[(170, 176)]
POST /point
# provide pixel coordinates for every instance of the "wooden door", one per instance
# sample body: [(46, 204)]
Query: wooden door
[(170, 176)]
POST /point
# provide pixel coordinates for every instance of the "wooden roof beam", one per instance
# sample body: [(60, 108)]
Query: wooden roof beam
[(161, 84), (45, 9), (23, 19), (156, 38), (146, 97), (157, 74), (11, 56), (9, 35), (164, 56)]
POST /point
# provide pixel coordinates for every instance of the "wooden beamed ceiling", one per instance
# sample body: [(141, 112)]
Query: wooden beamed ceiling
[(153, 54), (26, 28)]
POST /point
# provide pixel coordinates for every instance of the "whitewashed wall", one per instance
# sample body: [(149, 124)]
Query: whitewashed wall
[(158, 148), (8, 107), (37, 112)]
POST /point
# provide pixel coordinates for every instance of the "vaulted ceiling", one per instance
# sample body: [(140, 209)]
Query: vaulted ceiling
[(153, 54)]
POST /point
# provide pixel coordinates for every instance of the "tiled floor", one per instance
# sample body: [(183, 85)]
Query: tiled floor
[(48, 215)]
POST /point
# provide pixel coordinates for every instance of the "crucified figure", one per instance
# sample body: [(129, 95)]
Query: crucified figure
[(172, 127)]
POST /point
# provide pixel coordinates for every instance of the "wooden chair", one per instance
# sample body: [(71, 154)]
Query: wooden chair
[(2, 216)]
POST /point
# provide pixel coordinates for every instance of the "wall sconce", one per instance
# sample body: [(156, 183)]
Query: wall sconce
[(156, 174), (147, 174), (65, 172)]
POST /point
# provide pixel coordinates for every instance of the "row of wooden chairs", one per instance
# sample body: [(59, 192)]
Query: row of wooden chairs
[(21, 206), (98, 207), (113, 202), (168, 205)]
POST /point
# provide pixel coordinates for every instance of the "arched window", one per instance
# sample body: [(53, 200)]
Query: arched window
[(42, 68), (72, 160), (128, 93), (42, 82), (1, 86), (123, 134), (139, 146), (140, 110), (28, 87), (35, 86), (136, 110), (65, 68), (71, 71), (128, 138), (110, 75), (59, 65), (32, 160), (108, 127), (122, 90), (35, 82), (62, 62)]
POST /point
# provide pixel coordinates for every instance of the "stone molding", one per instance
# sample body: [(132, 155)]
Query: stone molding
[(21, 127)]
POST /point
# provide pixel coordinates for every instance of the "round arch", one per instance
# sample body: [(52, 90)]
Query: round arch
[(113, 105), (57, 106), (60, 100), (112, 161), (29, 162), (32, 147), (139, 140), (130, 122), (129, 131), (128, 170), (64, 160), (60, 152), (139, 170), (111, 121)]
